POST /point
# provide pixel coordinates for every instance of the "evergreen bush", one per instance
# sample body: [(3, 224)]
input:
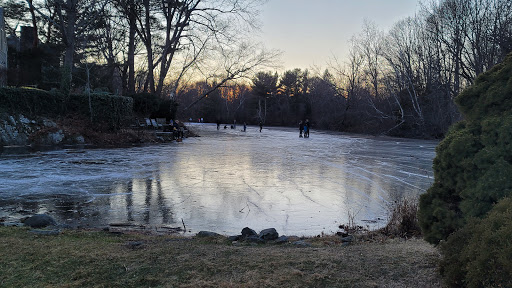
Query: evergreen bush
[(469, 204), (145, 103), (478, 255), (474, 161), (31, 101)]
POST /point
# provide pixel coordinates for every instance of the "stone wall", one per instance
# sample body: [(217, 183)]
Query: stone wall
[(19, 130)]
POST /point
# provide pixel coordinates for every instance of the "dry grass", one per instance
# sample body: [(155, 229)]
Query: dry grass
[(100, 259), (403, 219)]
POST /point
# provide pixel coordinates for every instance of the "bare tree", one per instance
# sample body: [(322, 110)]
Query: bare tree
[(74, 17), (369, 45), (236, 63)]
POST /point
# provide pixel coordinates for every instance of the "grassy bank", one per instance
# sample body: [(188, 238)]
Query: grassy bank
[(101, 259)]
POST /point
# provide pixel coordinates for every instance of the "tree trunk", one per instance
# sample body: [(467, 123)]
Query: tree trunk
[(149, 49), (67, 73), (34, 23), (131, 50)]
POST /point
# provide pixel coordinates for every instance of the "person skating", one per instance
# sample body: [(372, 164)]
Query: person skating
[(261, 126), (301, 128)]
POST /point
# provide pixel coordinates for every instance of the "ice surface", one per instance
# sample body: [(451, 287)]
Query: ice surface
[(223, 181)]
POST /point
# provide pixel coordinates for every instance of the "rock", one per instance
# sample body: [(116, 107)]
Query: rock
[(207, 234), (269, 234), (246, 232), (254, 239), (301, 243), (45, 232), (53, 138), (234, 238), (79, 139), (282, 239), (24, 120), (39, 221), (49, 123), (349, 238)]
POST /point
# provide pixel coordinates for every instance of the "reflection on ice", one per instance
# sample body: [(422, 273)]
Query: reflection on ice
[(222, 181)]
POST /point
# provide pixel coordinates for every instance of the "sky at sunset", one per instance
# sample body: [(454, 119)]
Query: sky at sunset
[(310, 32)]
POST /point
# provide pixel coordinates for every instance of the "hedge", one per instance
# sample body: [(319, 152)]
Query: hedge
[(107, 109)]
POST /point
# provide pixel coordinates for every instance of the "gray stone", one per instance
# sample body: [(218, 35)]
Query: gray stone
[(301, 243), (246, 232), (49, 123), (12, 120), (234, 238), (55, 137), (39, 221), (207, 234), (349, 238), (254, 239), (79, 139), (282, 239), (24, 120), (269, 234)]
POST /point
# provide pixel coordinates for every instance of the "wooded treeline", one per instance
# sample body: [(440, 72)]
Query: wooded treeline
[(400, 82), (128, 46)]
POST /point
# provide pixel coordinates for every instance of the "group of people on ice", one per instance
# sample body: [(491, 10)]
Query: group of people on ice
[(304, 128)]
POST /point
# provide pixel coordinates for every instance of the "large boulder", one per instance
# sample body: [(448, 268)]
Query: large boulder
[(269, 234), (246, 232), (39, 221)]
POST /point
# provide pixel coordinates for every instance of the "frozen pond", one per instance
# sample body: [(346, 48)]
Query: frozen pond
[(222, 181)]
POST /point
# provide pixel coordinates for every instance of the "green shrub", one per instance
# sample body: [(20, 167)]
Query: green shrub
[(145, 103), (472, 172), (109, 110), (479, 255), (32, 102), (474, 161), (113, 111)]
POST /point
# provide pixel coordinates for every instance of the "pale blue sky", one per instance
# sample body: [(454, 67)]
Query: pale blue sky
[(309, 32)]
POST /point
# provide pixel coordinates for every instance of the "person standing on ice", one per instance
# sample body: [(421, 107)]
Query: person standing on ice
[(261, 126), (301, 128), (245, 126), (306, 129)]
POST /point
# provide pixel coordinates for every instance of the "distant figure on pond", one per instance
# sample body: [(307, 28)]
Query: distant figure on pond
[(261, 126), (306, 129), (218, 124), (301, 128), (245, 126)]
